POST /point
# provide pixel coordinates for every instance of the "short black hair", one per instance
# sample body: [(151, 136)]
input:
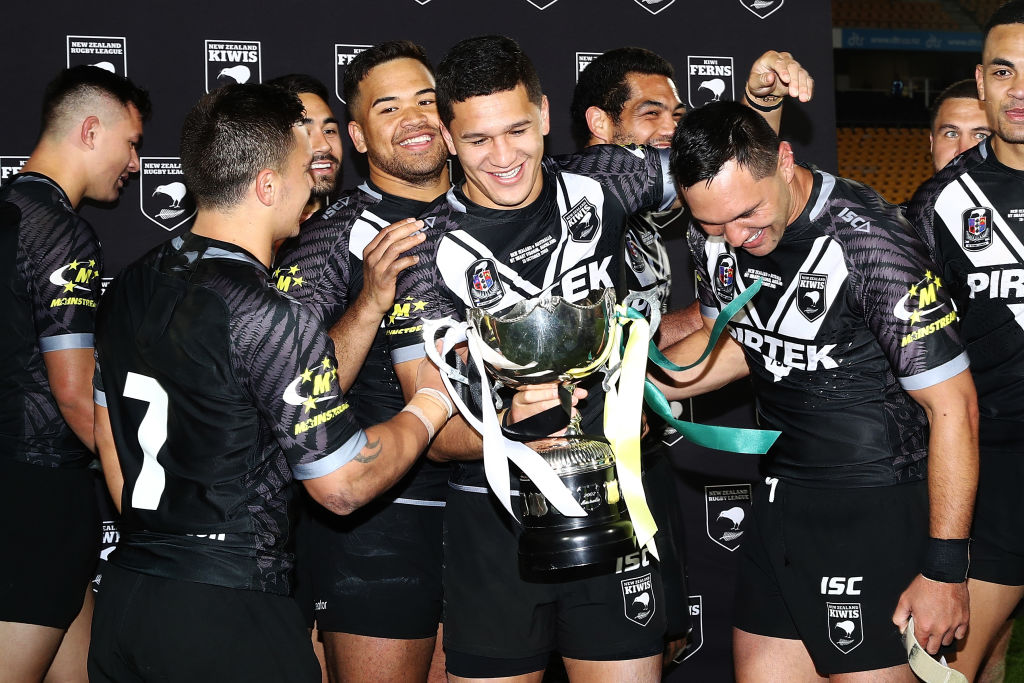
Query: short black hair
[(77, 82), (966, 89), (380, 53), (231, 135), (603, 85), (301, 84), (707, 138), (482, 66), (1011, 12)]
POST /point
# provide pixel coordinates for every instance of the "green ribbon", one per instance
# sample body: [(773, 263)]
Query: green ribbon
[(733, 439)]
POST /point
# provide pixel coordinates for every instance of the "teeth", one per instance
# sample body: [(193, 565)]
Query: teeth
[(416, 140), (754, 236), (509, 174), (321, 164)]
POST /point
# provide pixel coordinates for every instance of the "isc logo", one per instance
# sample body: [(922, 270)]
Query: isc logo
[(694, 609), (840, 585)]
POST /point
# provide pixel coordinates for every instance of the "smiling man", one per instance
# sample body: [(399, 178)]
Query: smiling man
[(970, 213), (854, 356), (92, 124)]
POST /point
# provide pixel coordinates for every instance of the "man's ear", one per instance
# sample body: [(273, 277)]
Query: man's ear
[(355, 131), (979, 78), (600, 125), (786, 162), (267, 186), (448, 140), (90, 127), (545, 119)]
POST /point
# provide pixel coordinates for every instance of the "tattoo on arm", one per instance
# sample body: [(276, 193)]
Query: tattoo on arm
[(370, 452)]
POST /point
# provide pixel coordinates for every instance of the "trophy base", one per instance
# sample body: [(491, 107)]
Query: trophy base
[(544, 551)]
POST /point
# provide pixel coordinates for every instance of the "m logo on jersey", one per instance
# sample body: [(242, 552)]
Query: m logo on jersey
[(10, 166), (762, 8), (696, 637), (287, 278), (845, 629), (163, 198), (74, 276), (582, 221), (106, 52), (921, 299), (977, 228), (726, 507), (724, 277), (638, 599), (483, 284), (810, 295), (709, 79), (583, 60), (343, 56), (654, 6), (232, 61)]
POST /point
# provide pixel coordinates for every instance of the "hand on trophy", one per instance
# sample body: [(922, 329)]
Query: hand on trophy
[(532, 399)]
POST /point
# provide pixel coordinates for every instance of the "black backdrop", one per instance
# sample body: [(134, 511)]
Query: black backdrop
[(179, 49)]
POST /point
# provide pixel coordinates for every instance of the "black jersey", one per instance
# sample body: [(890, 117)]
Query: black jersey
[(323, 268), (971, 215), (50, 269), (566, 243), (851, 312), (645, 266), (221, 390)]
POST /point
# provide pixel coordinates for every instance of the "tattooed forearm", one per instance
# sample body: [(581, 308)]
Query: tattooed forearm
[(370, 452)]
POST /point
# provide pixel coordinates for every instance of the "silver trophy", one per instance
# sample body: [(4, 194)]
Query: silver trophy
[(553, 340)]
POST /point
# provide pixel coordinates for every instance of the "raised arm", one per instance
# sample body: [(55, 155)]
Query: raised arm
[(773, 76)]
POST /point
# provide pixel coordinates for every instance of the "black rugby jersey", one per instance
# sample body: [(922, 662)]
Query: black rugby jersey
[(221, 391), (566, 243), (971, 215), (50, 269), (850, 310), (323, 268), (645, 266)]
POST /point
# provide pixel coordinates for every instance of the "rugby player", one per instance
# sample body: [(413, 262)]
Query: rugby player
[(958, 122), (970, 217), (376, 574), (854, 354), (91, 125), (214, 392)]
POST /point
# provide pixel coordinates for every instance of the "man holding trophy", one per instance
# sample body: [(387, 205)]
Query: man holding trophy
[(533, 237)]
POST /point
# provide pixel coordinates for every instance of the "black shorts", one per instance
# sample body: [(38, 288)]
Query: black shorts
[(377, 572), (497, 624), (50, 524), (827, 566), (663, 499), (997, 549), (148, 628)]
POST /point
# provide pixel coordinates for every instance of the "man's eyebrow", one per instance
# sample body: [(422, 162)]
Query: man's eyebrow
[(1002, 61), (746, 214), (471, 134), (387, 98)]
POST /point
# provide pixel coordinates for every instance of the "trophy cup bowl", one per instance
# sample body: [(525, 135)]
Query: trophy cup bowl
[(553, 340)]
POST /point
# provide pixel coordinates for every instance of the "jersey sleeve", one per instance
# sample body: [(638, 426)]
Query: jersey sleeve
[(637, 176), (62, 267), (293, 376), (314, 267), (420, 294), (906, 303), (705, 293)]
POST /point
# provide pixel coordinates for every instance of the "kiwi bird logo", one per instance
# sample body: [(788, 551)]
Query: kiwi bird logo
[(846, 627), (106, 66), (716, 86), (239, 73), (734, 515), (175, 191)]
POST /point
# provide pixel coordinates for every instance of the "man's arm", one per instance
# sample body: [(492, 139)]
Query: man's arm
[(456, 440), (69, 372), (941, 609), (773, 76), (724, 365), (679, 324), (108, 456), (355, 331)]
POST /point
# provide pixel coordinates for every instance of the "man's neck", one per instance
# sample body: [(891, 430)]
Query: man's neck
[(55, 165), (426, 192), (236, 228), (800, 188), (1008, 153)]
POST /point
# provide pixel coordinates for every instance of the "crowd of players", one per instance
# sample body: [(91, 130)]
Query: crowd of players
[(249, 354)]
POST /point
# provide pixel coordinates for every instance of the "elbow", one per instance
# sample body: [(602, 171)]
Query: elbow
[(341, 503)]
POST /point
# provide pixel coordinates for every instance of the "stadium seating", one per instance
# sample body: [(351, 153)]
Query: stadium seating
[(894, 14), (894, 161)]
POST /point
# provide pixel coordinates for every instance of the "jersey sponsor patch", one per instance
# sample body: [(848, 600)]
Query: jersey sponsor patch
[(638, 599), (287, 278), (726, 507), (582, 221), (810, 293), (845, 628), (232, 61), (482, 283), (725, 277), (977, 228), (314, 385), (72, 277)]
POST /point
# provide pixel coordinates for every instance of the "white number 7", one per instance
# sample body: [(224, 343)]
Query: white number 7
[(152, 434)]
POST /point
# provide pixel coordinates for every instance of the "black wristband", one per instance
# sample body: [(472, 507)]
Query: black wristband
[(760, 107), (947, 559)]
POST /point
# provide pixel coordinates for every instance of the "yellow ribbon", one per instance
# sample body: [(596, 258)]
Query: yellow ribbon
[(622, 420)]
